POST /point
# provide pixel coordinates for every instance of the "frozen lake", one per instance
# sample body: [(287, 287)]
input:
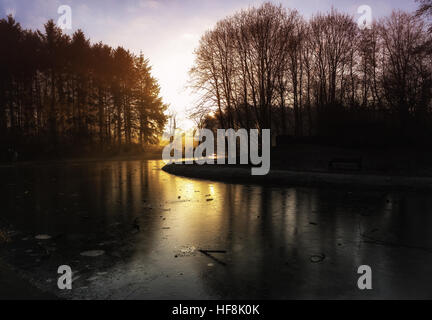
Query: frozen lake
[(158, 236)]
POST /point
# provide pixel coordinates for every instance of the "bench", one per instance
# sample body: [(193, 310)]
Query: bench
[(346, 160)]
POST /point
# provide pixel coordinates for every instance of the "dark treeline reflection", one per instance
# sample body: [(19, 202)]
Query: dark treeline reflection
[(59, 91), (272, 233), (269, 67)]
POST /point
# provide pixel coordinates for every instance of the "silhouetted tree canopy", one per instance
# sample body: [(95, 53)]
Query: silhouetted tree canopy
[(425, 10), (59, 92), (268, 67)]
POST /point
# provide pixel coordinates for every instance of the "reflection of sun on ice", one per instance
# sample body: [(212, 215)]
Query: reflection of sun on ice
[(188, 189), (211, 189)]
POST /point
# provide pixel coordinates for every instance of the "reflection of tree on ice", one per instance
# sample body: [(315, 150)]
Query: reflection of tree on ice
[(12, 155)]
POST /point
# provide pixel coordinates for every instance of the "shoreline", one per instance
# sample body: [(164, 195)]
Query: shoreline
[(300, 178)]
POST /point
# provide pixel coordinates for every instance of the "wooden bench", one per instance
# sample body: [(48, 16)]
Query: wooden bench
[(346, 160)]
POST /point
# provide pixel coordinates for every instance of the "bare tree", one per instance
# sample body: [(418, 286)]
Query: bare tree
[(268, 67)]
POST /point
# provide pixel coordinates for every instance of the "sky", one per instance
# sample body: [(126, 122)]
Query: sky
[(167, 31)]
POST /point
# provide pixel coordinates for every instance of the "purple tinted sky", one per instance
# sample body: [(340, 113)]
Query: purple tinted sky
[(167, 31)]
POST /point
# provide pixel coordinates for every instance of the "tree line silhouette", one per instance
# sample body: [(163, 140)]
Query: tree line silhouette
[(60, 93), (268, 67)]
